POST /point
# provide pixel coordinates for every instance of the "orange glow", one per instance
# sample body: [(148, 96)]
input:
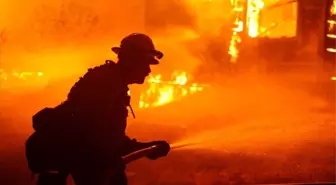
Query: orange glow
[(331, 22), (158, 93), (253, 15), (60, 51), (278, 18), (209, 14), (244, 127), (331, 50), (331, 26), (333, 8), (238, 8), (161, 92), (252, 24), (20, 79), (19, 75), (254, 124)]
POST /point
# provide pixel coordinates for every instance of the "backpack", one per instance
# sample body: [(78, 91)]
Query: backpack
[(44, 120), (43, 148)]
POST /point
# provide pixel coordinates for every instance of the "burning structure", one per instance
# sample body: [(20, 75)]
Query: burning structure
[(328, 48), (161, 92), (295, 28), (254, 33), (264, 30), (252, 24), (327, 41)]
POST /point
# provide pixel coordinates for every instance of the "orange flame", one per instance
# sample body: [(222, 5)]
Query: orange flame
[(238, 9), (161, 92), (253, 15), (252, 22), (20, 75), (332, 26)]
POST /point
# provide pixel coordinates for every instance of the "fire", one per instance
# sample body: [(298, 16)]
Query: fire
[(161, 92), (253, 15), (238, 9), (157, 93), (18, 75), (333, 8), (332, 25), (252, 10), (17, 80)]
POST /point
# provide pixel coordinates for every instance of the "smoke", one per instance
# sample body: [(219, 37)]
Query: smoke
[(250, 113), (238, 112), (63, 21), (64, 38), (72, 34), (164, 15)]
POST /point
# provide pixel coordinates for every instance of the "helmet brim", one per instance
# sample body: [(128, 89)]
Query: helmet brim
[(155, 53)]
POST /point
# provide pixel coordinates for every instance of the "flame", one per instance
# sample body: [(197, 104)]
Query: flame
[(330, 21), (161, 92), (158, 92), (252, 23), (333, 8), (331, 26), (16, 79), (238, 9), (18, 75), (253, 15)]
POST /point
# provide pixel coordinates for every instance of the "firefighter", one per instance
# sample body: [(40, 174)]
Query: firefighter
[(87, 131)]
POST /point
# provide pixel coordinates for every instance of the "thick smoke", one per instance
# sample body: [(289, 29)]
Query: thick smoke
[(57, 33), (165, 15)]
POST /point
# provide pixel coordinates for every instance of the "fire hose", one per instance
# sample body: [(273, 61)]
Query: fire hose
[(146, 151), (135, 155)]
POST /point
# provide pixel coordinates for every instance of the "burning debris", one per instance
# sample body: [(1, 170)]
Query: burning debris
[(15, 81), (160, 92), (19, 75)]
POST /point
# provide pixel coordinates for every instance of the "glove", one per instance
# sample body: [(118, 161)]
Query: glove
[(161, 150)]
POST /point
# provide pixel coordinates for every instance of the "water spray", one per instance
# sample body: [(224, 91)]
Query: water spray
[(176, 146)]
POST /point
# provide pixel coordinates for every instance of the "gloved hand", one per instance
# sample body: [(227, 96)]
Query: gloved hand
[(162, 149)]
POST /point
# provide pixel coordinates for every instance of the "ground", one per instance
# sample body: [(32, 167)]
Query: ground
[(253, 129)]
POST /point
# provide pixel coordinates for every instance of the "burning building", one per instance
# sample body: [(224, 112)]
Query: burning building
[(328, 38), (328, 49), (261, 29), (255, 26), (280, 29)]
